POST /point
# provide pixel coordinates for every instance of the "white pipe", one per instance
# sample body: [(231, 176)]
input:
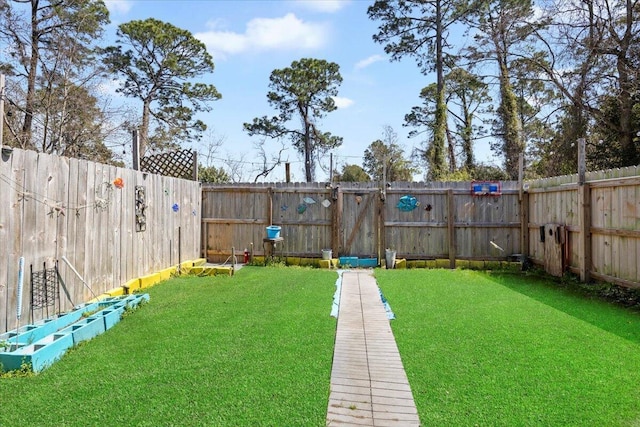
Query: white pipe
[(64, 258), (496, 246)]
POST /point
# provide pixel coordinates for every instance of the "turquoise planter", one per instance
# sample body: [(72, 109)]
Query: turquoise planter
[(44, 342), (368, 262), (112, 315), (40, 354), (85, 329)]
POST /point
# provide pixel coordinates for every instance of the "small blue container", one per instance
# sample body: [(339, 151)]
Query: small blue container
[(368, 262), (273, 231), (346, 261)]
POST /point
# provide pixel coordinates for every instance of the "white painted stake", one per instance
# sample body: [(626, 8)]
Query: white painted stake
[(20, 284)]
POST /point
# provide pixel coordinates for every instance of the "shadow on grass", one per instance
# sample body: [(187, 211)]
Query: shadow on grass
[(574, 301)]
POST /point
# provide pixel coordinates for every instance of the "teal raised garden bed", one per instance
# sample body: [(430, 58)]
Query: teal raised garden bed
[(42, 343), (40, 354)]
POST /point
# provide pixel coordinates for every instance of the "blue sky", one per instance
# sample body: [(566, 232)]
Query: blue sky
[(249, 39)]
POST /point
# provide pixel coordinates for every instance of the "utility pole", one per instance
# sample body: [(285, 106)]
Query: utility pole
[(330, 167), (135, 142)]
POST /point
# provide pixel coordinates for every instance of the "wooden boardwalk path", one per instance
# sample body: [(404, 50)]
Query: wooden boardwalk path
[(368, 384)]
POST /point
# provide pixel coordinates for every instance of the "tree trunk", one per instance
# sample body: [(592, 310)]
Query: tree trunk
[(513, 143), (626, 87), (440, 125)]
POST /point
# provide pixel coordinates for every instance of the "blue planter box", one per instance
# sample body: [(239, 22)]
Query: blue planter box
[(367, 262), (28, 334), (45, 341), (349, 261), (112, 315), (85, 329), (40, 354)]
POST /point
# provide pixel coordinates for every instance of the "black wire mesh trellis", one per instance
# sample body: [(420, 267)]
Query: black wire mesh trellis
[(44, 287)]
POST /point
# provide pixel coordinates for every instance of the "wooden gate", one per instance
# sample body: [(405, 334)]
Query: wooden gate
[(360, 225)]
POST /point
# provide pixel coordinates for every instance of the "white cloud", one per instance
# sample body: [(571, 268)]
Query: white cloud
[(266, 34), (368, 61), (118, 6), (325, 6), (109, 86), (342, 102)]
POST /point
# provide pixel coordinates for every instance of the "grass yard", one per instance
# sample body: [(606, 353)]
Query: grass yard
[(255, 349), (493, 349), (487, 349)]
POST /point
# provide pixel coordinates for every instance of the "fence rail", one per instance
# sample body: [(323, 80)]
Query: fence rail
[(54, 208)]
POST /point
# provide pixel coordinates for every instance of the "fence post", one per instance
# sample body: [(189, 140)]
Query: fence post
[(381, 224), (135, 149), (270, 206), (584, 206), (523, 201), (194, 157), (451, 229), (336, 220)]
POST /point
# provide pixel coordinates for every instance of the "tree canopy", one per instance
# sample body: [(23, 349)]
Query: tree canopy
[(158, 63), (304, 91), (387, 157), (420, 29), (519, 76), (351, 173), (49, 46)]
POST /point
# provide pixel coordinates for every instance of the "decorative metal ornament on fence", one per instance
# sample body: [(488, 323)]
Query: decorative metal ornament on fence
[(140, 207), (118, 183), (407, 203)]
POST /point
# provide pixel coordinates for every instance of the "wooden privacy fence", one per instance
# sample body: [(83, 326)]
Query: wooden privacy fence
[(111, 225), (600, 220), (360, 219), (590, 228)]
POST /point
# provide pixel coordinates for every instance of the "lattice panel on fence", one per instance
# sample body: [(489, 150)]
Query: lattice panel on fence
[(177, 164)]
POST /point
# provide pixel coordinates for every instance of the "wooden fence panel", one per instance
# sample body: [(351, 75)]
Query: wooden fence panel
[(304, 213), (55, 207), (234, 218), (421, 233), (613, 225), (477, 221)]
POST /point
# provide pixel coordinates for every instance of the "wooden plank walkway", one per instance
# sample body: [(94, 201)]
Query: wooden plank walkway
[(368, 384)]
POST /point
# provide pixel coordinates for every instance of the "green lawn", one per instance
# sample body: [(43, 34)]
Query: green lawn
[(254, 349), (485, 349), (510, 350)]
